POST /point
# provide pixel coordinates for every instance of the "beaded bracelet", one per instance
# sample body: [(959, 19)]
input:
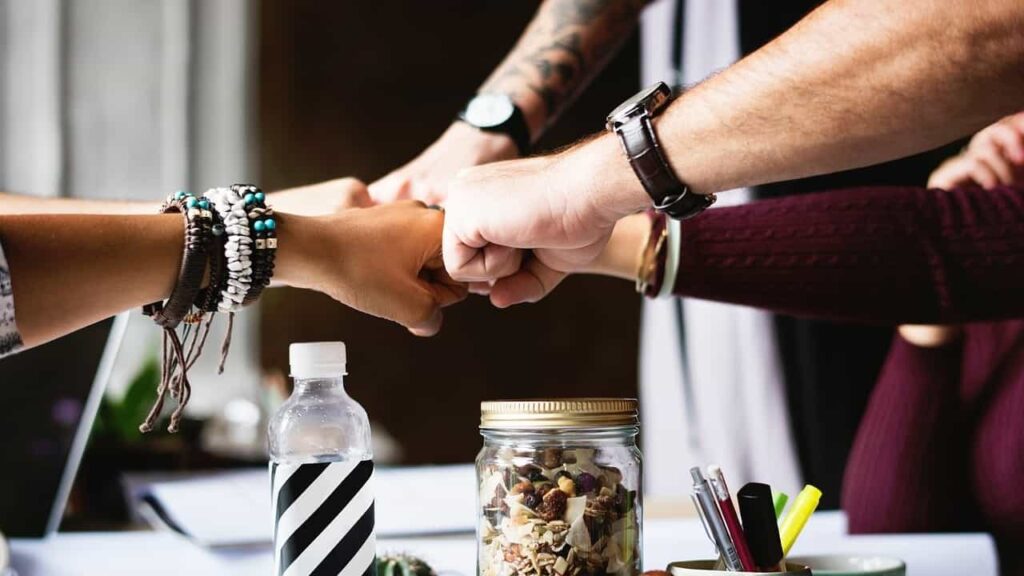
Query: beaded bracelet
[(198, 232), (263, 227), (230, 206)]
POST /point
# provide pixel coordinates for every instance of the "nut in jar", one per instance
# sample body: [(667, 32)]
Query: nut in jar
[(562, 498)]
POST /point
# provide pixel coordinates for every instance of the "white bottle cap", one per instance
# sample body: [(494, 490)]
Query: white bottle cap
[(317, 359)]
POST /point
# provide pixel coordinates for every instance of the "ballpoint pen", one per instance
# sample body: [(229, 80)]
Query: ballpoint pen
[(760, 526), (780, 503), (732, 522), (792, 524), (704, 523), (706, 504)]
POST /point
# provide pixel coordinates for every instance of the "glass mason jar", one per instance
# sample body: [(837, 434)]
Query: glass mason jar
[(560, 484)]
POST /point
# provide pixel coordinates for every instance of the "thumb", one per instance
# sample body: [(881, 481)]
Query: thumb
[(394, 186), (531, 283), (359, 197)]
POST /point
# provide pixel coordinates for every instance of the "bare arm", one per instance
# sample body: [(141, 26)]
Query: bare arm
[(20, 204), (856, 82), (70, 270), (564, 47), (309, 200), (566, 44)]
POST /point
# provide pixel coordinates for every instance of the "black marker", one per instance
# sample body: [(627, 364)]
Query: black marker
[(760, 526)]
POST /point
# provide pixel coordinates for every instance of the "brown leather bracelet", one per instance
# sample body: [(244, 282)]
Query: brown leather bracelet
[(198, 223), (208, 297)]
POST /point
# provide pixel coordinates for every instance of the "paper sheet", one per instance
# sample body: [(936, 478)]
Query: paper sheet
[(233, 508)]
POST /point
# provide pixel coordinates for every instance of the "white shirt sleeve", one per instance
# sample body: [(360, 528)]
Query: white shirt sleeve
[(10, 339)]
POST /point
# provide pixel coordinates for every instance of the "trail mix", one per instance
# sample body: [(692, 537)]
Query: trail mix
[(561, 515)]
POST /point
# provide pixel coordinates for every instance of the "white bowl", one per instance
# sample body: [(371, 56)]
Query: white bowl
[(853, 565), (707, 568)]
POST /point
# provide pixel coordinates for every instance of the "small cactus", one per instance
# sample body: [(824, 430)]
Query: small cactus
[(402, 565)]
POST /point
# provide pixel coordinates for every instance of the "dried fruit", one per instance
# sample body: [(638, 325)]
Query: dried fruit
[(569, 517), (531, 500), (537, 476), (526, 470), (567, 485), (553, 506), (524, 487), (585, 483), (512, 553), (543, 488), (551, 458)]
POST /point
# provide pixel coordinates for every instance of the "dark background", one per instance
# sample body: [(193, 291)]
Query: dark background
[(359, 88)]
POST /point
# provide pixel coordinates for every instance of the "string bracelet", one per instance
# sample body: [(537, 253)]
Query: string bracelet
[(169, 314)]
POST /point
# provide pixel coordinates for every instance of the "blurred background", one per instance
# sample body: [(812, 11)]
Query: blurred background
[(132, 99), (136, 98)]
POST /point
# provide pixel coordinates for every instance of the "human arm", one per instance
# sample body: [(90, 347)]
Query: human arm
[(856, 82), (310, 200), (68, 271), (564, 47), (876, 255)]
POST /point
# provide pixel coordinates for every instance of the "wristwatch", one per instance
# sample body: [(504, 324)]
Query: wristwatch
[(495, 112), (631, 121)]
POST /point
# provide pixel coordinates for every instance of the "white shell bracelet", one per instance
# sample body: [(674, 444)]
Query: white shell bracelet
[(230, 205)]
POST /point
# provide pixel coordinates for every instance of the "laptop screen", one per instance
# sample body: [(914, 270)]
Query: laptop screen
[(45, 398)]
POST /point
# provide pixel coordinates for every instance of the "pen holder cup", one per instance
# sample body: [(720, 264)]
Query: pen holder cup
[(707, 567)]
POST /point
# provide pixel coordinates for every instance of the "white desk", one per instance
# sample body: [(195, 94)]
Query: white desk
[(161, 553)]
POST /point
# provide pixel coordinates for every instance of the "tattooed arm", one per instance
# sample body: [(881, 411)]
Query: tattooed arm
[(563, 48), (566, 45)]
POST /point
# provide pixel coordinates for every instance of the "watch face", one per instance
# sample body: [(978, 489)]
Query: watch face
[(647, 100), (489, 110)]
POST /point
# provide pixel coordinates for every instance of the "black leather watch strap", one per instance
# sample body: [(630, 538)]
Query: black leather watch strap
[(669, 194)]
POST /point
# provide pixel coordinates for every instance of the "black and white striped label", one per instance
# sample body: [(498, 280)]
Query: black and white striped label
[(323, 518)]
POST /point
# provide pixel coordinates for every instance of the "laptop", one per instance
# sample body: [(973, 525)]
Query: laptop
[(49, 397)]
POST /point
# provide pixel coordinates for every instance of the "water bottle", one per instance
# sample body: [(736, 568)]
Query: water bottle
[(321, 471)]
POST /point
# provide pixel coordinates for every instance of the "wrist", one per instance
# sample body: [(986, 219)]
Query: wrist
[(622, 254), (602, 174), (486, 146), (296, 250)]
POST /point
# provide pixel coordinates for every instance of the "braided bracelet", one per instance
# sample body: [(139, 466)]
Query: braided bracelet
[(198, 231), (198, 234)]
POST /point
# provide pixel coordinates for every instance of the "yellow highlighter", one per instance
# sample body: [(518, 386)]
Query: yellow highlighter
[(799, 512)]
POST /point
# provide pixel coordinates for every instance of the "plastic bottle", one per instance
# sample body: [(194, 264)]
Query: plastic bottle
[(321, 471)]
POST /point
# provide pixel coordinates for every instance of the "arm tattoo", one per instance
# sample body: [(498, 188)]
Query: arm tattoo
[(566, 44)]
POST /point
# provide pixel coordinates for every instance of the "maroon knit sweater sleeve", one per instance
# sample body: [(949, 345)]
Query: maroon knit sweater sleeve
[(876, 255)]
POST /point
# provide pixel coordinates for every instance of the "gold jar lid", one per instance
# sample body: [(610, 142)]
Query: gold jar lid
[(553, 413)]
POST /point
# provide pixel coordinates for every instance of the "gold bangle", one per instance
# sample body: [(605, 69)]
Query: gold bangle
[(647, 270)]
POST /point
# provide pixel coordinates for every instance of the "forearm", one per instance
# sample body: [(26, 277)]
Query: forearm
[(68, 271), (855, 83), (324, 197), (874, 255), (20, 204), (565, 46)]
